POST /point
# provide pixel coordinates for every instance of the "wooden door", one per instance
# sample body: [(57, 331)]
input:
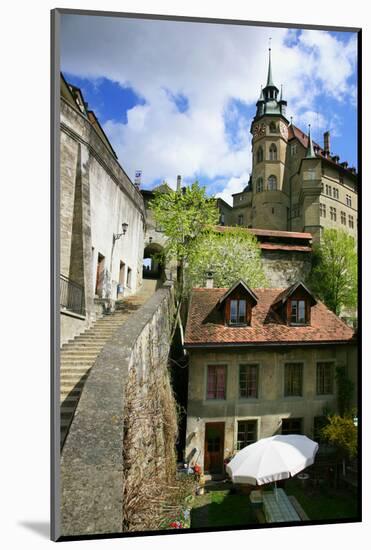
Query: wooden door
[(214, 447)]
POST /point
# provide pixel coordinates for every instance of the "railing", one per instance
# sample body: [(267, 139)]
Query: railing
[(72, 296)]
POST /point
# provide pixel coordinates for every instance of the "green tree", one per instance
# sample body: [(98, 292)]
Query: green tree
[(334, 273), (229, 255), (183, 216), (342, 433), (345, 388)]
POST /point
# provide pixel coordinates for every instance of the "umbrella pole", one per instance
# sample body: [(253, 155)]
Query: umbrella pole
[(275, 490)]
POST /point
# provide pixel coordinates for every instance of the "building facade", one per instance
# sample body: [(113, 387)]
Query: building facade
[(102, 219), (261, 362), (295, 184)]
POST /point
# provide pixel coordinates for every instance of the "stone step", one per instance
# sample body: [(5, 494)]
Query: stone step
[(76, 366), (82, 344), (70, 401), (70, 394), (67, 412), (76, 373), (79, 356), (70, 384), (92, 348), (65, 422), (90, 339)]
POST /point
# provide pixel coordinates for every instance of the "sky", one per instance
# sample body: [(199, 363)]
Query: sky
[(178, 97)]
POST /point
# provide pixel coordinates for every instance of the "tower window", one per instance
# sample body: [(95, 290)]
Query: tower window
[(259, 155), (351, 222), (333, 213), (273, 128), (272, 152), (322, 210), (272, 183), (343, 218), (259, 185), (348, 199), (294, 150)]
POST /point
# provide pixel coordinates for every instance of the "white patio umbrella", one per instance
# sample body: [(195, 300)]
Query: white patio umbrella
[(272, 458)]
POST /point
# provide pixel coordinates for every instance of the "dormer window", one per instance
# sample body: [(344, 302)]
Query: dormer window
[(297, 312), (294, 305), (237, 312), (237, 304)]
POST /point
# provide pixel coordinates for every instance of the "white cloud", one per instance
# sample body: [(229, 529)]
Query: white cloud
[(234, 185), (210, 65)]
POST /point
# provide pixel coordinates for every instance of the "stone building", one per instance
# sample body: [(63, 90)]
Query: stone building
[(295, 185), (286, 255), (154, 239), (261, 362), (102, 219)]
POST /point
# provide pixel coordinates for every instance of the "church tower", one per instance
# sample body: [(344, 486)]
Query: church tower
[(269, 128)]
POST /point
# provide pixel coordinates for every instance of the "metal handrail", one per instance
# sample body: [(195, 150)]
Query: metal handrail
[(72, 295)]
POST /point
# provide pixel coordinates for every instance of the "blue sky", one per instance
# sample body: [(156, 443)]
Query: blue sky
[(178, 97)]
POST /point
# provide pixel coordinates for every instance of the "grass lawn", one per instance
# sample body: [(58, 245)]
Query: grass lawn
[(220, 508), (322, 503)]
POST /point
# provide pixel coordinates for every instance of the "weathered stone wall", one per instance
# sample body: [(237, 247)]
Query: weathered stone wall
[(283, 268), (92, 463), (96, 198), (271, 406)]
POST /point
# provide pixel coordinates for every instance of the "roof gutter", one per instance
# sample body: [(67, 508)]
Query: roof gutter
[(264, 345)]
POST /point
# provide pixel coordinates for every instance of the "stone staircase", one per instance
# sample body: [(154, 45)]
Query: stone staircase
[(78, 355)]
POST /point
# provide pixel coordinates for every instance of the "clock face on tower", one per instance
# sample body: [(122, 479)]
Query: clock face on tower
[(283, 130), (259, 130)]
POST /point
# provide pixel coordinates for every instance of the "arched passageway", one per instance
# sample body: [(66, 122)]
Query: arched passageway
[(153, 261)]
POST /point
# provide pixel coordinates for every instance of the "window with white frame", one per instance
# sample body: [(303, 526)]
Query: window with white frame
[(246, 433), (325, 378), (293, 379), (273, 152), (216, 381), (259, 185), (248, 381), (272, 183)]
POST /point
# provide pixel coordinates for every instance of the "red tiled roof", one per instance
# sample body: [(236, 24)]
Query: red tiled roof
[(295, 132), (290, 247), (267, 232), (205, 325)]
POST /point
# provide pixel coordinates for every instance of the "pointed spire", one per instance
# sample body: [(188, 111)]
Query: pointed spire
[(270, 78), (310, 151), (261, 98)]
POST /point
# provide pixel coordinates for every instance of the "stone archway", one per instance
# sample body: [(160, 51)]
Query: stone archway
[(153, 263)]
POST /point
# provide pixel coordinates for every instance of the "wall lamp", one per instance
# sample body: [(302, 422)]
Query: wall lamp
[(116, 236)]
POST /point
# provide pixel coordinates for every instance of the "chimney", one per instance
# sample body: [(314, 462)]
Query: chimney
[(178, 183), (326, 142), (209, 279)]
